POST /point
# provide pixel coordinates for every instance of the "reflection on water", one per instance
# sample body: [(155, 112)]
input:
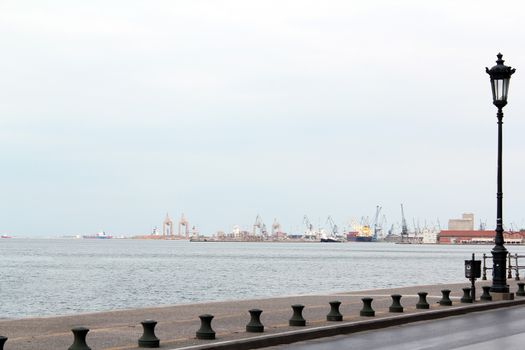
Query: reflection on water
[(50, 277)]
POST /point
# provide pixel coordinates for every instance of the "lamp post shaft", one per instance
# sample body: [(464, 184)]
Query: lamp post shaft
[(499, 195), (499, 253)]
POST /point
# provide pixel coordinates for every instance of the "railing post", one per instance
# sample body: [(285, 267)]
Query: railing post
[(510, 266), (484, 278), (517, 267)]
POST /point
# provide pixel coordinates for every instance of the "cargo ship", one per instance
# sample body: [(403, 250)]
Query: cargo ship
[(360, 233), (330, 239), (100, 235), (355, 237)]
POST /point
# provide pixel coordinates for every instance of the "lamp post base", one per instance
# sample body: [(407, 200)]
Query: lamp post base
[(501, 296), (499, 260)]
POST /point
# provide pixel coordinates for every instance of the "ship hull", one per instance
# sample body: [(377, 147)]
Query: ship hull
[(360, 239), (329, 240)]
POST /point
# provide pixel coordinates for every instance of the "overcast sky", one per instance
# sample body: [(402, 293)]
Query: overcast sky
[(115, 112)]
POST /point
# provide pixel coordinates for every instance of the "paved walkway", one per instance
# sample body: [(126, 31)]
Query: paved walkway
[(487, 330), (120, 330)]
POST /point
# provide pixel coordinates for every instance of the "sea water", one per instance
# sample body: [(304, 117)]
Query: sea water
[(41, 277)]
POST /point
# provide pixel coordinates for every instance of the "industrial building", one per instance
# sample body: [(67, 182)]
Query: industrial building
[(478, 237), (466, 223), (461, 231)]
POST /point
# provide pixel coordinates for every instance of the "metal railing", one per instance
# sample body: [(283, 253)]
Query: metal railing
[(510, 266)]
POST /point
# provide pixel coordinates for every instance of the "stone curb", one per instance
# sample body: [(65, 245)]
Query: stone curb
[(350, 327)]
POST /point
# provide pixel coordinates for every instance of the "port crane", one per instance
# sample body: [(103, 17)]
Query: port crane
[(365, 221), (482, 225), (260, 225), (378, 229), (186, 224), (333, 226), (276, 227), (308, 225), (404, 227), (391, 230), (383, 224), (167, 228), (417, 228)]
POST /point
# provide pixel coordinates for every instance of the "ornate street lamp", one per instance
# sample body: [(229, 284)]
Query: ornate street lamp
[(499, 80)]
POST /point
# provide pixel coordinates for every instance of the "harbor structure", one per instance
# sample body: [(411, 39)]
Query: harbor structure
[(167, 227), (168, 230), (183, 223), (478, 237), (461, 231), (429, 236), (466, 223)]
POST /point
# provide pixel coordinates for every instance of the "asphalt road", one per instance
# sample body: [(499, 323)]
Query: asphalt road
[(501, 328)]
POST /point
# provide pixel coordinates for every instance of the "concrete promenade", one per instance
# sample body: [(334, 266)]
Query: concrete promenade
[(177, 324)]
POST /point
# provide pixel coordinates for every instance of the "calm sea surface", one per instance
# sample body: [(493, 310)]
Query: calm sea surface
[(40, 277)]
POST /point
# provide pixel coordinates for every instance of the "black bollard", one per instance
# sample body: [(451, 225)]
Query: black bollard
[(334, 314), (206, 332), (79, 342), (466, 298), (521, 289), (367, 308), (255, 325), (422, 303), (297, 319), (445, 299), (396, 303), (2, 342), (149, 339), (486, 294)]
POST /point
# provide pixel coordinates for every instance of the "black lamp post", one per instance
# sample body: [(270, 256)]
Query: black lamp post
[(499, 80)]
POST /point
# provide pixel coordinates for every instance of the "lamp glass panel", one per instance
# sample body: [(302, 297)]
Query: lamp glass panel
[(499, 87), (505, 88)]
